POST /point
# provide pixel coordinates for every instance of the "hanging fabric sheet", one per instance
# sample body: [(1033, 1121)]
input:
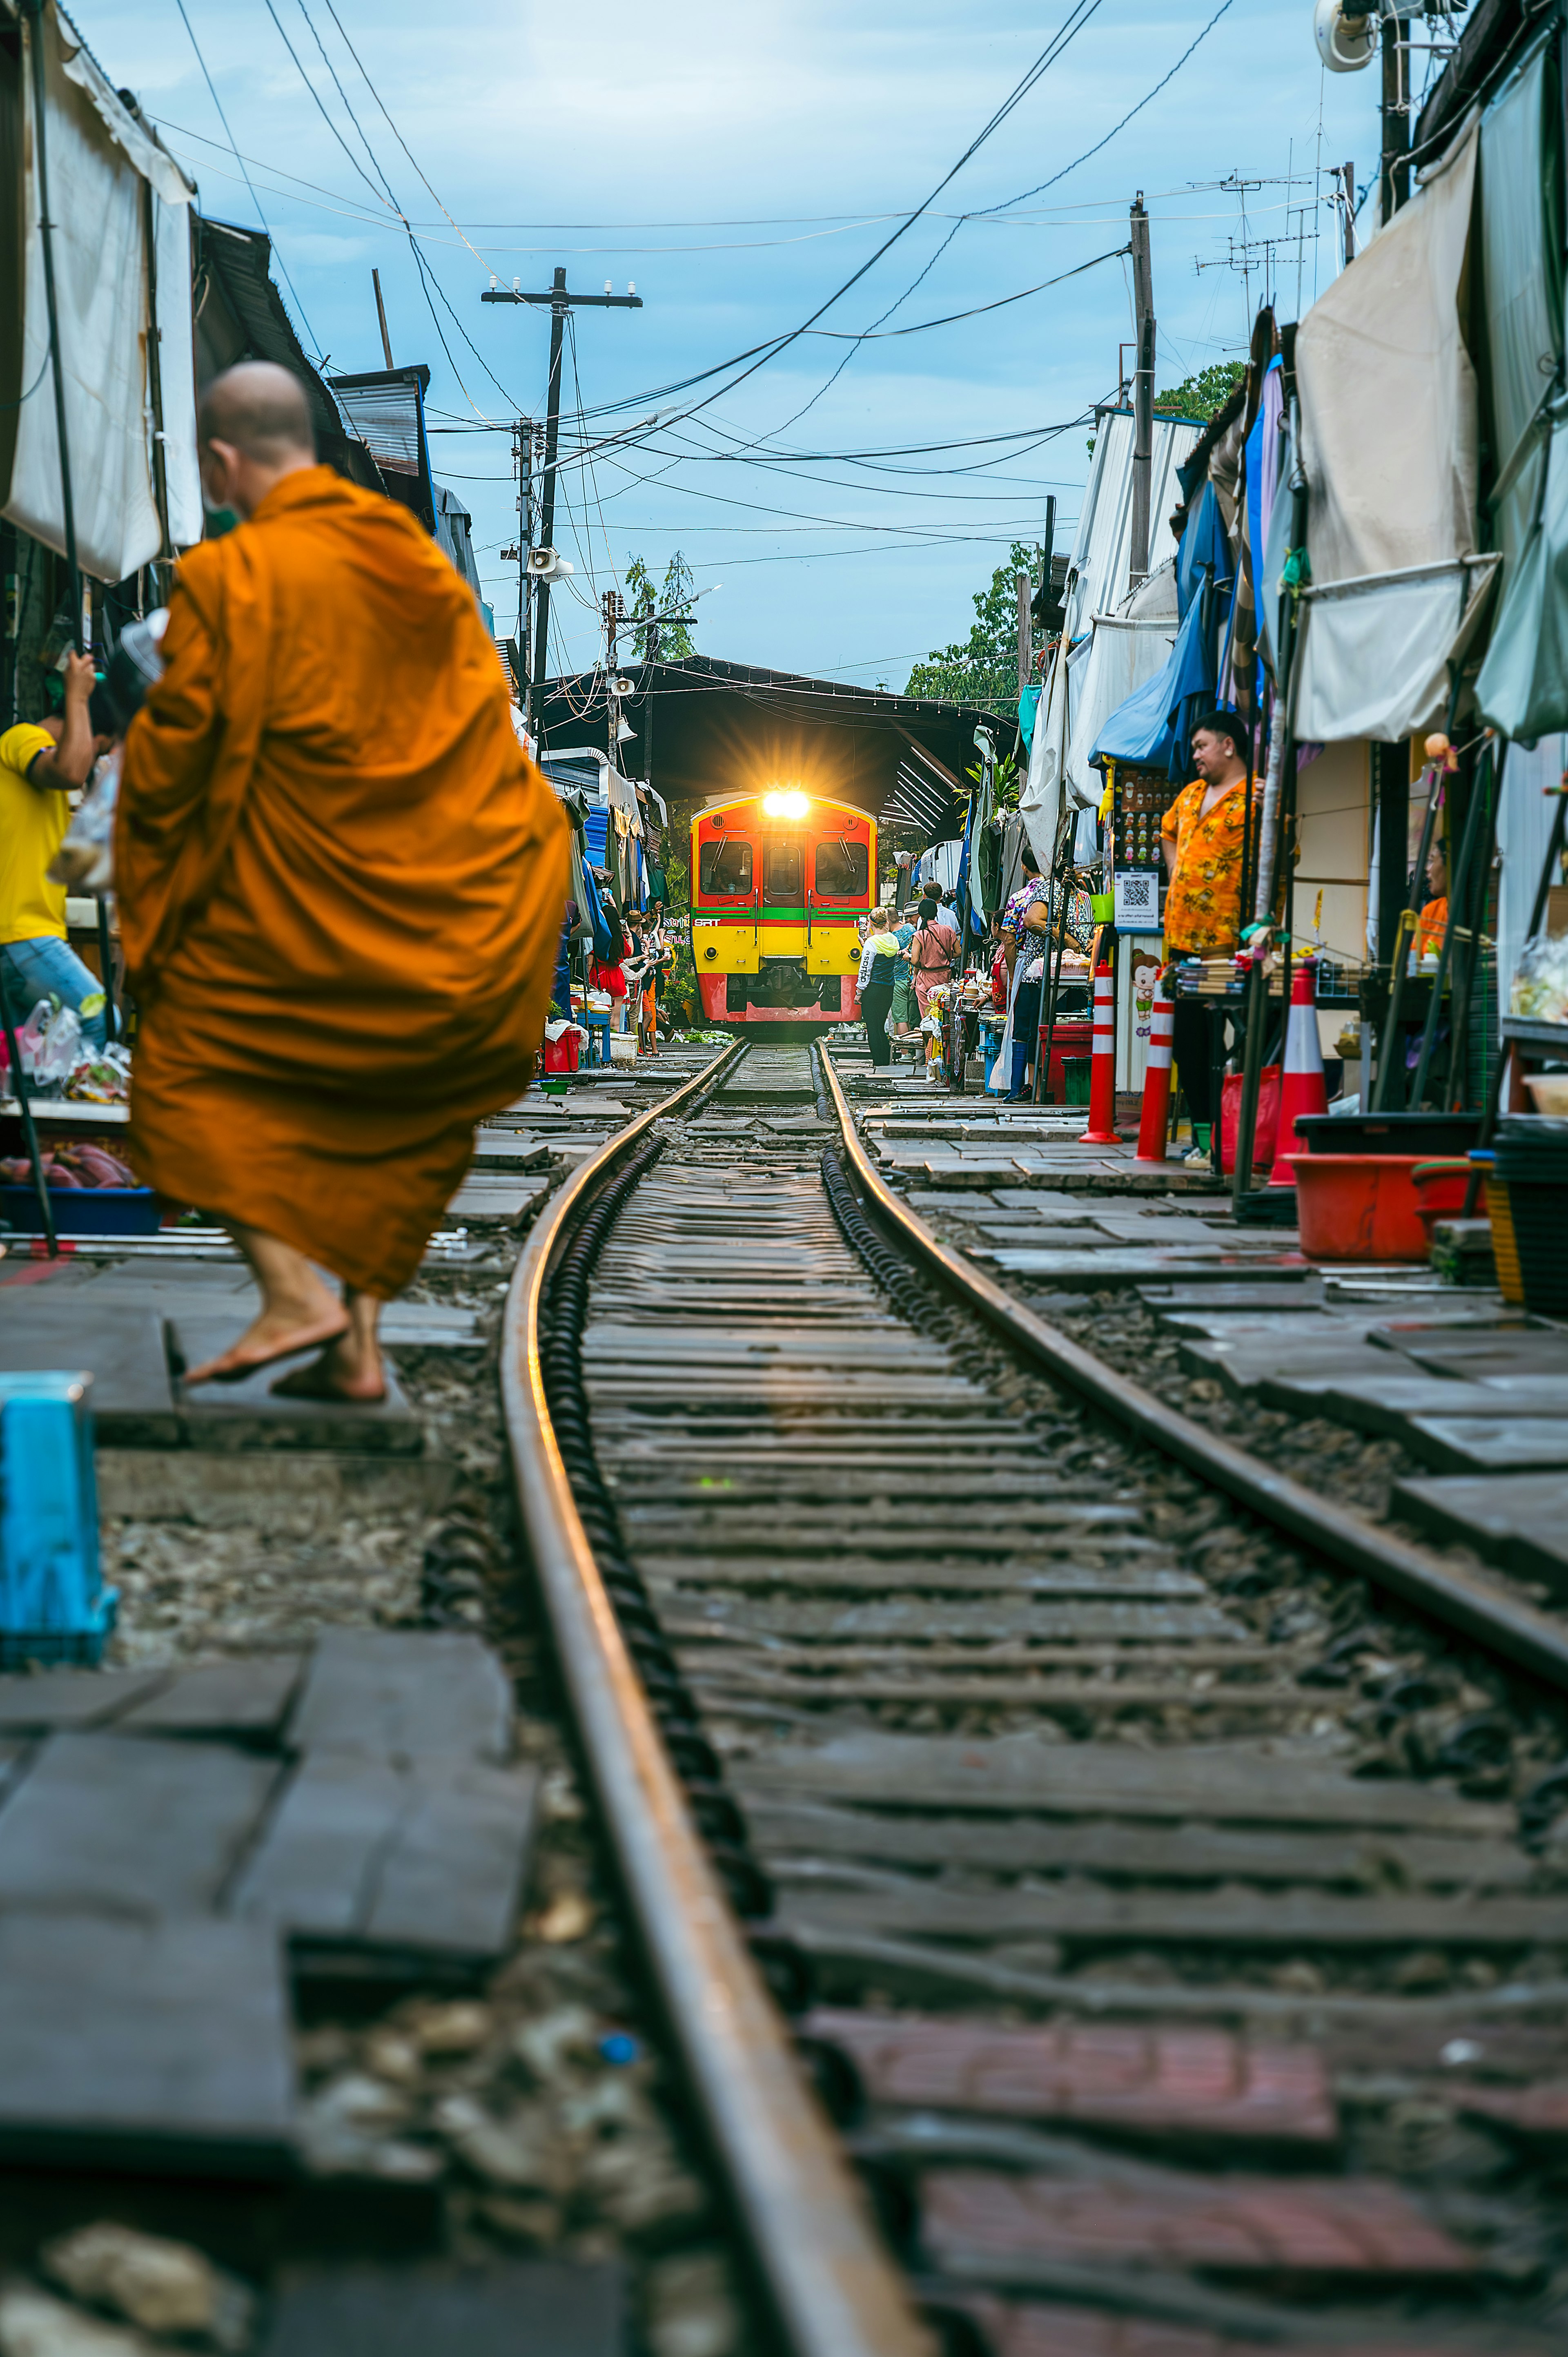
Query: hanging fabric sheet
[(1040, 795), (1523, 686), (1126, 652), (1373, 656), (101, 163), (1389, 445)]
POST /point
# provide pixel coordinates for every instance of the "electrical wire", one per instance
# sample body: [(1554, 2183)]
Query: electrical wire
[(427, 279), (213, 92), (990, 210), (759, 355)]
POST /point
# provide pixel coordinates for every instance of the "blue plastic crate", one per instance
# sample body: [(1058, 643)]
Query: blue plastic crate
[(53, 1604)]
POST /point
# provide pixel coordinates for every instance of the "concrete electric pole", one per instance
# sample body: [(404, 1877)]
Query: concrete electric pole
[(1394, 183), (1143, 392), (560, 303)]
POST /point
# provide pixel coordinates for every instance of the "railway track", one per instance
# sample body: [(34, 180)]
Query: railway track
[(1168, 1918)]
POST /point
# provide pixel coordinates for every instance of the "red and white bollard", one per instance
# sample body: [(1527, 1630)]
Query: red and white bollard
[(1303, 1088), (1102, 1130), (1154, 1120)]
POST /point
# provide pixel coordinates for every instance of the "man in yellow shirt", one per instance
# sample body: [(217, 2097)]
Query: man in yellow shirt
[(41, 764)]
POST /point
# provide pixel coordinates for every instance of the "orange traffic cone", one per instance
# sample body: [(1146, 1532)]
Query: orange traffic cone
[(1303, 1088), (1154, 1120), (1102, 1130)]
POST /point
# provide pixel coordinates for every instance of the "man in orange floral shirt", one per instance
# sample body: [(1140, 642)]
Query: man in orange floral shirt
[(1202, 835)]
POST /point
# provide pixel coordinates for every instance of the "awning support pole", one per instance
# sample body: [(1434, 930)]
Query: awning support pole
[(34, 11)]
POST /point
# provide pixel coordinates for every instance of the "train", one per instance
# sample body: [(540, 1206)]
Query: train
[(779, 883)]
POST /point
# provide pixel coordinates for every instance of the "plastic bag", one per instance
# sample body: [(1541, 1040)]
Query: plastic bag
[(85, 860), (49, 1043), (1265, 1137), (1540, 991), (101, 1076)]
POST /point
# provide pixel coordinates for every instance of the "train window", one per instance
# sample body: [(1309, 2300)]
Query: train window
[(841, 870), (784, 875), (724, 867)]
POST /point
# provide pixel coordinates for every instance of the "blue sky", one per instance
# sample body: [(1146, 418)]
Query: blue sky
[(738, 165)]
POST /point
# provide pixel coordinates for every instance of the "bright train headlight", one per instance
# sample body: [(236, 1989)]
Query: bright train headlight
[(791, 805)]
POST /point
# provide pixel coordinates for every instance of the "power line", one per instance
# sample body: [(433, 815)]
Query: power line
[(427, 277), (1067, 32), (990, 210), (261, 216)]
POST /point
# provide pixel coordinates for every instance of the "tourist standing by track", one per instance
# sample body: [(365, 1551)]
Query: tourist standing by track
[(878, 972), (933, 950)]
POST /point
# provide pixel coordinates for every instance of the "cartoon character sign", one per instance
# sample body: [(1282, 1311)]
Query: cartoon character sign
[(1146, 975)]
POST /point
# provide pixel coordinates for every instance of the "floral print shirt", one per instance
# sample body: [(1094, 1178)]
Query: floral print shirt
[(1203, 900)]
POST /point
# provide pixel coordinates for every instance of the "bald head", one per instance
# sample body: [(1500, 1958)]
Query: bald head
[(259, 410), (253, 428)]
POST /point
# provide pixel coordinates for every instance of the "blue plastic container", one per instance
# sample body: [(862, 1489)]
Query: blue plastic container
[(84, 1210), (53, 1604)]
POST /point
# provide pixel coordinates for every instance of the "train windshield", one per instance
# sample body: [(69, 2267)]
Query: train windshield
[(841, 870), (724, 867), (784, 875)]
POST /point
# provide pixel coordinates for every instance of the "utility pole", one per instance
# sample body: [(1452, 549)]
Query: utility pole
[(560, 303), (1394, 183), (613, 606), (1024, 587), (1143, 392), (381, 317), (522, 435), (650, 663)]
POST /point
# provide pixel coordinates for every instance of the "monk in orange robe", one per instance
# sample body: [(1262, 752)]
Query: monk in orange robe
[(341, 885)]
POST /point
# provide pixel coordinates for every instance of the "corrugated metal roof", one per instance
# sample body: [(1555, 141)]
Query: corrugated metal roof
[(1097, 577), (386, 411)]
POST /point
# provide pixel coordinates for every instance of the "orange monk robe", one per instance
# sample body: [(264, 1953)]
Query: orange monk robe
[(341, 883)]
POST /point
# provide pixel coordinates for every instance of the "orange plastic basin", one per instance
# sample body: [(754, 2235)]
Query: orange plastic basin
[(1441, 1187), (1359, 1206)]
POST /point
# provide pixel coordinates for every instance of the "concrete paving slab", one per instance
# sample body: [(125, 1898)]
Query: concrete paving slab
[(118, 1344), (51, 1700), (399, 1693), (1474, 1444), (502, 1201), (106, 1826), (309, 1493), (145, 2045), (539, 2308), (1515, 1520)]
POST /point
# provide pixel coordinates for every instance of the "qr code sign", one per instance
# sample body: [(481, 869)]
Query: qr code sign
[(1137, 902)]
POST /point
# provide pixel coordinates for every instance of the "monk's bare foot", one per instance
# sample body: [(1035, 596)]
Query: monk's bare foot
[(275, 1334), (345, 1372)]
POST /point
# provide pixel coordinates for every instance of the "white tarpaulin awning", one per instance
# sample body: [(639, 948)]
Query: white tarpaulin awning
[(1373, 655), (1388, 447), (103, 168), (1122, 652)]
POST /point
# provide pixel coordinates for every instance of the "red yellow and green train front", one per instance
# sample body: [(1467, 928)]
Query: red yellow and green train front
[(780, 884)]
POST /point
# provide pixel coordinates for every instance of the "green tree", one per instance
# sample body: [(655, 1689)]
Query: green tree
[(983, 669), (676, 640), (1204, 395)]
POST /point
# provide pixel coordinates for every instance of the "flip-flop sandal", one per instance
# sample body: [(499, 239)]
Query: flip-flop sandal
[(314, 1384), (216, 1372)]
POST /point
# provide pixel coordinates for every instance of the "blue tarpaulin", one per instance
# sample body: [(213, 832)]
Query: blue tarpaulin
[(1028, 705), (595, 831), (1149, 729), (1143, 729)]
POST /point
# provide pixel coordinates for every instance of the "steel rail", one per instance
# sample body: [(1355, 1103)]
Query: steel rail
[(1505, 1624), (834, 2289)]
